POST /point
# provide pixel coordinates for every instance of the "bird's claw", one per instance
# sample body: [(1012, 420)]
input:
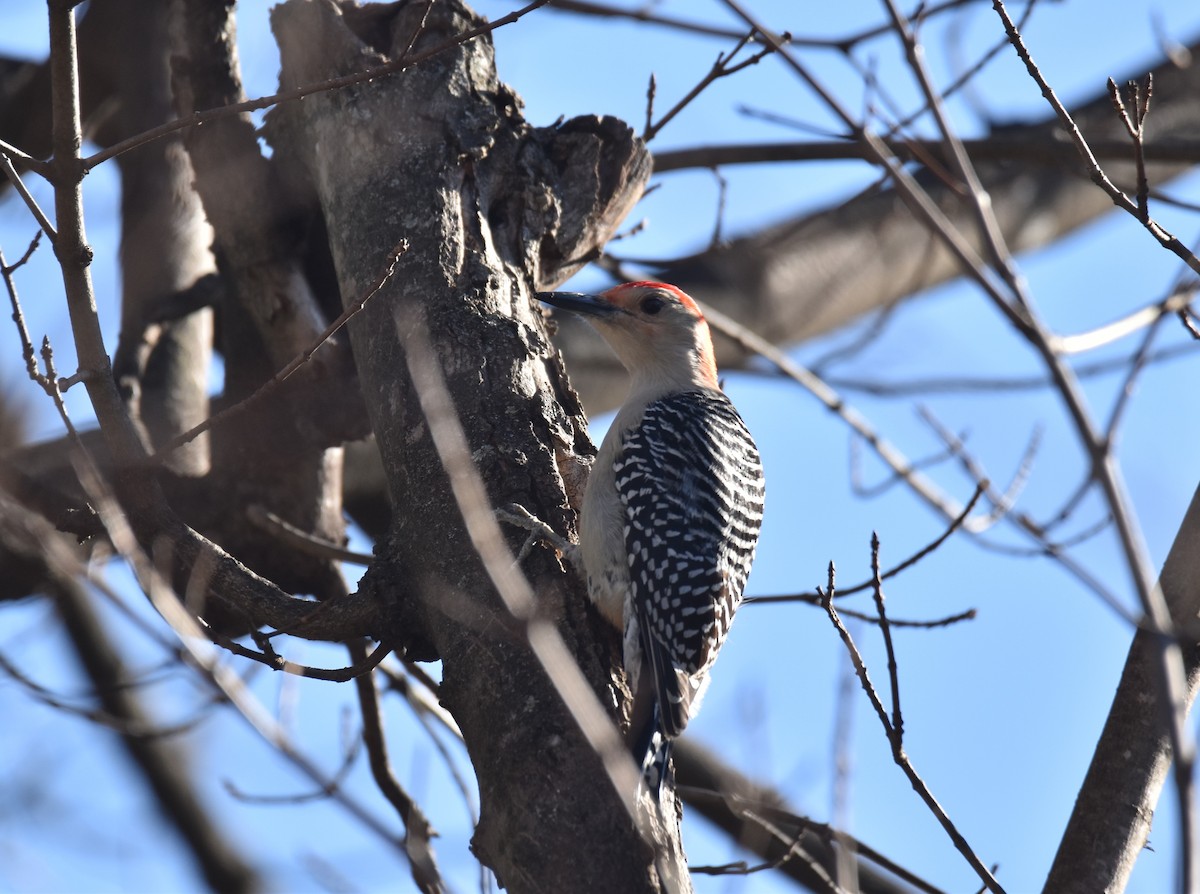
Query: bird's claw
[(539, 532)]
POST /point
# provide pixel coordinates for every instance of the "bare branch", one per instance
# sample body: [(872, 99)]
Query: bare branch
[(352, 750), (1139, 319), (1172, 673), (303, 540), (723, 67), (30, 202), (1034, 151), (1110, 823), (268, 657), (268, 387), (420, 850), (1164, 238), (843, 44), (1135, 126), (160, 763), (401, 63), (922, 486), (955, 523), (745, 809), (895, 739), (192, 639)]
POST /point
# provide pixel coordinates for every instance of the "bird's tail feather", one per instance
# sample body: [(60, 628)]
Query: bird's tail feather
[(652, 751)]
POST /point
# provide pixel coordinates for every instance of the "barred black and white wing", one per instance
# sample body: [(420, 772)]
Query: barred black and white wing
[(691, 483)]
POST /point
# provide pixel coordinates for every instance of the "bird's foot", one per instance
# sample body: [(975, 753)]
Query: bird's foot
[(539, 532)]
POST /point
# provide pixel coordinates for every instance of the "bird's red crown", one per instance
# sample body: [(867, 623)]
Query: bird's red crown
[(614, 294)]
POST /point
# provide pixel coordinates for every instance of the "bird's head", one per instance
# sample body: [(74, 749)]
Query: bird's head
[(656, 330)]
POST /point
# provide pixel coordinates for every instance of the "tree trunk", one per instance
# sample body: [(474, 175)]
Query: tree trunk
[(439, 156)]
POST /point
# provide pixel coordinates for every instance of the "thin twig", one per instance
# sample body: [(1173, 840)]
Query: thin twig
[(1006, 292), (718, 224), (18, 317), (895, 739), (966, 76), (778, 817), (1165, 198), (815, 600), (303, 540), (426, 711), (51, 378), (858, 484), (794, 851), (723, 67), (842, 771), (908, 471), (989, 227), (1095, 172), (1126, 325), (34, 164), (874, 329), (120, 725), (999, 290), (401, 63), (1002, 503), (922, 486), (421, 856), (27, 197), (1170, 665), (651, 93), (889, 648), (268, 387), (278, 663), (967, 385), (1135, 126), (844, 44), (349, 758), (1136, 367), (203, 653), (955, 523), (1187, 317), (24, 259)]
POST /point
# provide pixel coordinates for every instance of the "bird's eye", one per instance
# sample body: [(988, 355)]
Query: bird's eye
[(653, 304)]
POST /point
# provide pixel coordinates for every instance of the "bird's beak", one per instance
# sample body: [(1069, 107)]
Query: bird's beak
[(579, 302)]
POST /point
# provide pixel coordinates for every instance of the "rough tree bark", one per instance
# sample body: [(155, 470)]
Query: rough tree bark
[(490, 207), (1110, 824)]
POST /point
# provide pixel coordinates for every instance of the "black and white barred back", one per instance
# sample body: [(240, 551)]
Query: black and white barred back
[(691, 481)]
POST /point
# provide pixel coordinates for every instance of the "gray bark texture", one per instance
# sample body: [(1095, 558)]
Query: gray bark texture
[(1110, 824), (490, 207)]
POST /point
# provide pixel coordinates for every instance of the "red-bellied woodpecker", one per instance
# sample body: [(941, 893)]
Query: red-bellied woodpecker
[(672, 509)]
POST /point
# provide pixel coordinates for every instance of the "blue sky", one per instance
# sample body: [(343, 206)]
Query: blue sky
[(1001, 713)]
